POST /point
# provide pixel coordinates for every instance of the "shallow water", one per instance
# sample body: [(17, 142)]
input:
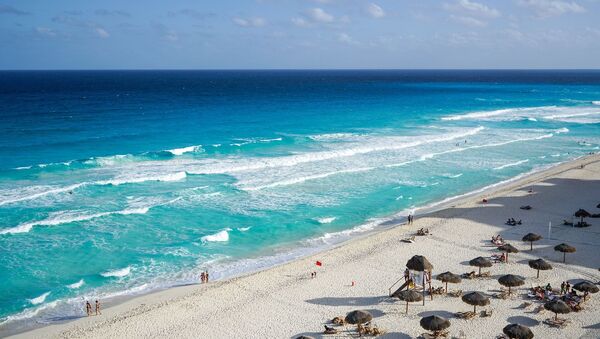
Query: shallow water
[(118, 183)]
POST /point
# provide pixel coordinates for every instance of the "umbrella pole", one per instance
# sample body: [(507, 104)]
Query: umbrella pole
[(479, 271), (538, 275), (555, 316), (531, 243), (423, 288), (446, 287), (508, 290), (407, 307), (474, 308), (564, 257)]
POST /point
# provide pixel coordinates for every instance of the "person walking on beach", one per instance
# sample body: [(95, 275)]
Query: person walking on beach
[(88, 308), (206, 276), (562, 288), (97, 307), (202, 277)]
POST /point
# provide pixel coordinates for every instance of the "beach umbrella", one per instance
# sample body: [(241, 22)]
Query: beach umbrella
[(508, 248), (539, 264), (510, 280), (564, 248), (358, 317), (557, 306), (480, 262), (586, 286), (581, 213), (410, 296), (449, 277), (421, 264), (435, 323), (476, 299), (531, 237), (516, 331)]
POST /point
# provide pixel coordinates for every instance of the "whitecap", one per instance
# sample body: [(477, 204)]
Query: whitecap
[(76, 285), (183, 150), (517, 163), (244, 229), (119, 273), (138, 179), (40, 299), (65, 217), (326, 220), (221, 236)]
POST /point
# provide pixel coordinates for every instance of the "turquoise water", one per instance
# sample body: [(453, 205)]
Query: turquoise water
[(120, 183)]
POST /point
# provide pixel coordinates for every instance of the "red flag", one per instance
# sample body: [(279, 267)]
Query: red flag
[(319, 263)]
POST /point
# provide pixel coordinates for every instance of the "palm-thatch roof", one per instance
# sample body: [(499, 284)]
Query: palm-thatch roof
[(419, 263), (358, 317), (516, 331), (435, 323), (539, 264)]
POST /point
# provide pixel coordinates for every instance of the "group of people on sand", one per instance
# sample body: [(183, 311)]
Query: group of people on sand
[(513, 222), (204, 277), (497, 240), (88, 308), (410, 219)]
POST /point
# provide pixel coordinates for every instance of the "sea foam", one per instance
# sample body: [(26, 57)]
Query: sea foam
[(76, 285), (221, 236), (183, 150), (119, 273), (40, 299)]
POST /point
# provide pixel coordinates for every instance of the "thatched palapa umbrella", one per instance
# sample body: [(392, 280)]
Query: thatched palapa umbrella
[(557, 306), (449, 277), (510, 280), (581, 213), (410, 296), (586, 286), (358, 317), (516, 331), (564, 248), (531, 237), (420, 264), (539, 264), (476, 299), (508, 248), (435, 323), (480, 262)]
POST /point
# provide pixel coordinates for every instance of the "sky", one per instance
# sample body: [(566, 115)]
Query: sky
[(299, 34)]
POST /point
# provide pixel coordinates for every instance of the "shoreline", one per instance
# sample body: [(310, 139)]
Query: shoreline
[(127, 307)]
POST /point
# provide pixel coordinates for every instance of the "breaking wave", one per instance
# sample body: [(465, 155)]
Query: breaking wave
[(221, 236)]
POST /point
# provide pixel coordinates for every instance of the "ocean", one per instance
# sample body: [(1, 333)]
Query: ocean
[(117, 183)]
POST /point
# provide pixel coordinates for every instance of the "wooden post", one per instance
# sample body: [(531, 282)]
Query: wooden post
[(423, 288)]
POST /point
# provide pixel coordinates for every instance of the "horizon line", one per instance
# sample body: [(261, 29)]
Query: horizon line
[(294, 69)]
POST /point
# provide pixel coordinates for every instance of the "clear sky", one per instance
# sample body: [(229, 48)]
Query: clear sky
[(109, 34)]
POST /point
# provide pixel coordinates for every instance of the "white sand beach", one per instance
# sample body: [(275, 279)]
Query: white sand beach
[(285, 302)]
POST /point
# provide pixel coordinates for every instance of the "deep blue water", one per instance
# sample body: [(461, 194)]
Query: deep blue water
[(121, 182)]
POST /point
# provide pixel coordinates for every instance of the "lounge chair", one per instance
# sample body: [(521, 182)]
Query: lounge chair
[(456, 294), (567, 223), (526, 207), (502, 295), (465, 315), (338, 321), (483, 275), (469, 275), (486, 313), (409, 240), (560, 323), (439, 334), (330, 330)]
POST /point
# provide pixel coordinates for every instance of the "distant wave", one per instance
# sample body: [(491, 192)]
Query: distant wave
[(183, 150), (226, 167), (424, 157), (453, 176), (46, 191), (134, 180), (326, 220), (244, 229), (596, 102), (76, 285), (40, 299), (119, 273), (572, 114), (517, 163), (221, 236), (69, 217)]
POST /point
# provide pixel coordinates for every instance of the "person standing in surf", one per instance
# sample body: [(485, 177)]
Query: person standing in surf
[(97, 308), (88, 308)]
